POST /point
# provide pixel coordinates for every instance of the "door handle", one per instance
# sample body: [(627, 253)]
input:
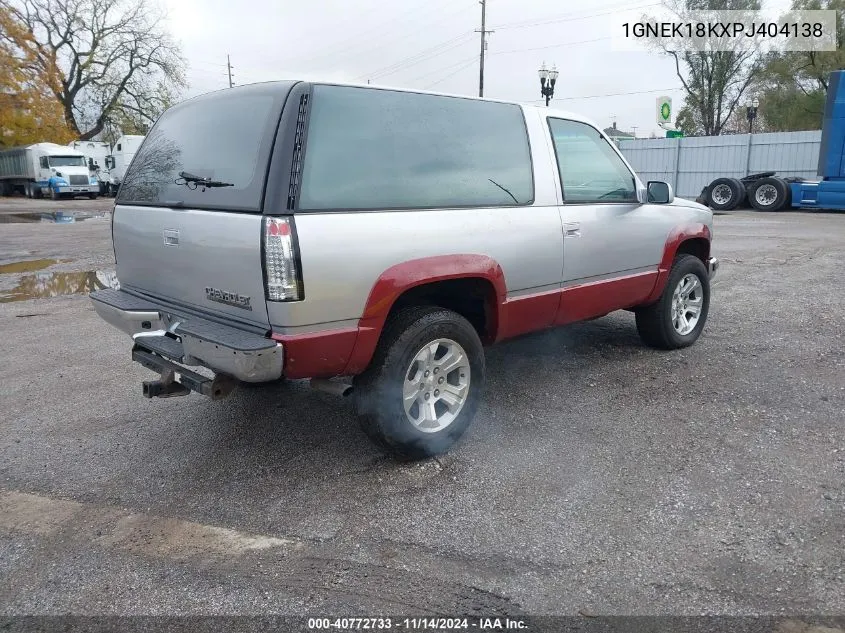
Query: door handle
[(572, 229)]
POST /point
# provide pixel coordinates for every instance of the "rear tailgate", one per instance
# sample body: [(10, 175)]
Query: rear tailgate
[(187, 221), (210, 260)]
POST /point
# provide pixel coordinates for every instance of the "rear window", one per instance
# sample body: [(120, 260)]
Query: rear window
[(384, 149), (225, 137)]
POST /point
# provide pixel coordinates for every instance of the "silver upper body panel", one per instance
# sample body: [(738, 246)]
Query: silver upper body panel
[(540, 247)]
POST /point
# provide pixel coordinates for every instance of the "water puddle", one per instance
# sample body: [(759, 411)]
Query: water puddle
[(27, 266), (56, 217), (43, 285)]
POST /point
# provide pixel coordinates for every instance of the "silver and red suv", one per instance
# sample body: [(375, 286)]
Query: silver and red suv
[(302, 230)]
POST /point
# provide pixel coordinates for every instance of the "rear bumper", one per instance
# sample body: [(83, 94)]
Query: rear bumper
[(712, 266), (190, 340)]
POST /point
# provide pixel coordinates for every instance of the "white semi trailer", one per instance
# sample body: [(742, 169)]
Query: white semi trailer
[(118, 161), (46, 169), (95, 153)]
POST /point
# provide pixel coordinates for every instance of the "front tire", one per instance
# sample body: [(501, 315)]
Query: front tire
[(423, 386), (677, 318)]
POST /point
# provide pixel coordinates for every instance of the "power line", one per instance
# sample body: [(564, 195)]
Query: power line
[(229, 68), (571, 17), (454, 72), (438, 20), (611, 94), (542, 48), (343, 47), (207, 63), (422, 56), (462, 63)]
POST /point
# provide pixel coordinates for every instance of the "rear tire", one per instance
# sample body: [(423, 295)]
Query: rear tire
[(404, 406), (769, 194), (36, 191), (660, 324), (725, 194), (27, 190)]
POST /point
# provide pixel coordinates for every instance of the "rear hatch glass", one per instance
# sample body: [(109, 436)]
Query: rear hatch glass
[(224, 136)]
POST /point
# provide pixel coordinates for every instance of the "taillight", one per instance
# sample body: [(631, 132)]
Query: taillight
[(280, 266)]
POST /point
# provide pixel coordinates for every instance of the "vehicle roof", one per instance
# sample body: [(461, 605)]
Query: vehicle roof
[(555, 112), (55, 148)]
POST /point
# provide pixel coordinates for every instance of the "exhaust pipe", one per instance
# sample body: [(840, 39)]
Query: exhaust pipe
[(333, 387)]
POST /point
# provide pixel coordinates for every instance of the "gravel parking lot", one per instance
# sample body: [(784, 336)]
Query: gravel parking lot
[(599, 477)]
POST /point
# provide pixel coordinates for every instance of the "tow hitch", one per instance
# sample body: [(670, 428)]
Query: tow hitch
[(168, 386)]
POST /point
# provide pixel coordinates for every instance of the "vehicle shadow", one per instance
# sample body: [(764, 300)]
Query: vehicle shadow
[(287, 438), (287, 422)]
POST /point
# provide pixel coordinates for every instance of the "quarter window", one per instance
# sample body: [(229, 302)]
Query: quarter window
[(384, 149), (590, 170)]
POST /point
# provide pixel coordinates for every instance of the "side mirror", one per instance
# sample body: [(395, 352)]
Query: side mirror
[(658, 192), (109, 162)]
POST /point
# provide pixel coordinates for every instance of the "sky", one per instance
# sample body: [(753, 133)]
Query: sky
[(432, 45)]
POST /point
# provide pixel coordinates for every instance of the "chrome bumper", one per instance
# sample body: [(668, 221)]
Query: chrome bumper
[(712, 266), (189, 340), (79, 188)]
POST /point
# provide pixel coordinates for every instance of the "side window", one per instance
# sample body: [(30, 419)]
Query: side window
[(44, 164), (384, 149), (590, 170)]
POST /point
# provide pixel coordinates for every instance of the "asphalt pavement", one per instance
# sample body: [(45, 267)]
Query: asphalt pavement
[(599, 477)]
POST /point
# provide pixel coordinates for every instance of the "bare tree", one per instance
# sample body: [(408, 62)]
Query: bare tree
[(715, 80), (115, 59)]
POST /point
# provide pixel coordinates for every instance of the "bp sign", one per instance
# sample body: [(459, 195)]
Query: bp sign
[(664, 110)]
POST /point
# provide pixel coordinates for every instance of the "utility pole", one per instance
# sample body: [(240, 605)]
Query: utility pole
[(229, 68), (484, 33)]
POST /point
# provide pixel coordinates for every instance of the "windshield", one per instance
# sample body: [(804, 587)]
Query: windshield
[(67, 161)]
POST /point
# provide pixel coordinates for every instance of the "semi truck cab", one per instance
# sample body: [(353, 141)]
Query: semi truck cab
[(829, 192), (47, 169)]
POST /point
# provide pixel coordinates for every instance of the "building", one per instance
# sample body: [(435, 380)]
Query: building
[(616, 134)]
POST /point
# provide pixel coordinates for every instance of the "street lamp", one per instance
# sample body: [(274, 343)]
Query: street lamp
[(548, 79), (751, 113)]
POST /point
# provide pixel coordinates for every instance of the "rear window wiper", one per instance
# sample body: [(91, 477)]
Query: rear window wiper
[(192, 182)]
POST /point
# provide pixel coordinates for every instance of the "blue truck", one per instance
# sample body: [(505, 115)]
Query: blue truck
[(769, 192)]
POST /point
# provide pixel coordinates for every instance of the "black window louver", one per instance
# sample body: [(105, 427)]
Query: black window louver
[(296, 163)]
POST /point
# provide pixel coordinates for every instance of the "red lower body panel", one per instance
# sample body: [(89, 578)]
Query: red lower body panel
[(595, 299), (317, 354), (348, 351)]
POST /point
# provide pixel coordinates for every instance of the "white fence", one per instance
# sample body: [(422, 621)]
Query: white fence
[(689, 164)]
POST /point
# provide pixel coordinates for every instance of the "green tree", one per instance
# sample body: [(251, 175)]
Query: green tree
[(794, 83)]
